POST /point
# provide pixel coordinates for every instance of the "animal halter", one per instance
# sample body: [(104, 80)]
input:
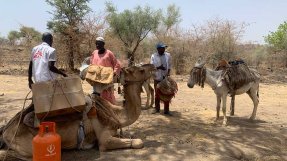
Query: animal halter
[(199, 75)]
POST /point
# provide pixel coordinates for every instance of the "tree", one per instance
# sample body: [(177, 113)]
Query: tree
[(131, 27), (68, 15), (168, 32), (218, 39), (29, 36), (13, 36), (93, 26), (278, 40), (168, 21), (3, 41)]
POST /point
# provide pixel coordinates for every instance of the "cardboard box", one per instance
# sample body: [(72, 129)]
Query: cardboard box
[(58, 97)]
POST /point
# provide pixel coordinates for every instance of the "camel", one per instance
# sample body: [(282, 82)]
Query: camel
[(200, 74), (97, 131), (149, 91), (146, 84)]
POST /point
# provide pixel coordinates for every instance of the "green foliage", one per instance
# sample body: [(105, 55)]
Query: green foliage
[(3, 39), (13, 36), (67, 13), (172, 17), (132, 26), (278, 39), (30, 34)]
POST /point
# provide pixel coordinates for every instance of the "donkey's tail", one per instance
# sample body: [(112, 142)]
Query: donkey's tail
[(2, 143), (258, 92)]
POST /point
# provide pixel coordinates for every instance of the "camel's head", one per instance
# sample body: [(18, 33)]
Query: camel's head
[(197, 74), (84, 68), (137, 73)]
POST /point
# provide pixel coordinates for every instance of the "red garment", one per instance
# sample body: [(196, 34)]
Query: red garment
[(107, 59)]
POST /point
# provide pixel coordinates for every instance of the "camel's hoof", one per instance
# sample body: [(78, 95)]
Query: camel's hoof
[(216, 119), (251, 118), (224, 123), (102, 148), (137, 143)]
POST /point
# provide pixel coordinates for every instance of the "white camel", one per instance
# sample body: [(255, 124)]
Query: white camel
[(200, 74)]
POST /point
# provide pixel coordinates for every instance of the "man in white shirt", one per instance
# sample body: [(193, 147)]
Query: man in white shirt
[(42, 63), (162, 61)]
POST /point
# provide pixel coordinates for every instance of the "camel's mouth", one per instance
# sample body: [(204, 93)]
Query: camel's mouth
[(189, 85)]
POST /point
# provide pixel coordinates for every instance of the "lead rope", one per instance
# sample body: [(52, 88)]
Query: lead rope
[(52, 99), (18, 124)]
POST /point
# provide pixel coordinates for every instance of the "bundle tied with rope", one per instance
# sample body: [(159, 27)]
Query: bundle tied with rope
[(58, 97), (237, 75), (166, 89), (99, 74)]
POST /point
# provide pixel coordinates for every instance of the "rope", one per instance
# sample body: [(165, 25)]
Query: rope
[(106, 115), (18, 124), (52, 99)]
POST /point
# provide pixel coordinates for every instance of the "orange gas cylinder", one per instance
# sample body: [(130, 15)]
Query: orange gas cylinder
[(47, 144)]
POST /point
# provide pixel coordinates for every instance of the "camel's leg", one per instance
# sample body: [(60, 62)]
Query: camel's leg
[(152, 95), (23, 137), (117, 143), (232, 105), (146, 87), (108, 142), (224, 109), (218, 102), (253, 95)]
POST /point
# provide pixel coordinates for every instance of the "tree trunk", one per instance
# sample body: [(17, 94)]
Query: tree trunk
[(71, 55), (71, 61), (131, 59)]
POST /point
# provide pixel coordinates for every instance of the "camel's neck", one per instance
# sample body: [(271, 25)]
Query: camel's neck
[(132, 102), (213, 78)]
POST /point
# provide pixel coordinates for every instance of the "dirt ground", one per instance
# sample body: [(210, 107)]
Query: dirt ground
[(191, 133)]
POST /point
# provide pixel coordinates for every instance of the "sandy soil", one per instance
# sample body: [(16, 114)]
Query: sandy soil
[(191, 133)]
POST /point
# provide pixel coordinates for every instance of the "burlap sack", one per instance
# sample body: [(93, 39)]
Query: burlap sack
[(166, 89), (99, 74)]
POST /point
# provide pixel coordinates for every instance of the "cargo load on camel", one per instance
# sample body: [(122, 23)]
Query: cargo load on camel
[(99, 76), (58, 97)]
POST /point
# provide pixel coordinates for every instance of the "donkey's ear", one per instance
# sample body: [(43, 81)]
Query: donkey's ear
[(124, 70), (200, 62), (130, 69)]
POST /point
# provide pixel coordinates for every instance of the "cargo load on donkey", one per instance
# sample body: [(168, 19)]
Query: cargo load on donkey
[(58, 97), (236, 74)]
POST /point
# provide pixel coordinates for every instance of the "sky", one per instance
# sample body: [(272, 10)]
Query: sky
[(262, 16)]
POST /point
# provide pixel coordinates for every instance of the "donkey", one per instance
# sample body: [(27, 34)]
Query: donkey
[(200, 74)]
